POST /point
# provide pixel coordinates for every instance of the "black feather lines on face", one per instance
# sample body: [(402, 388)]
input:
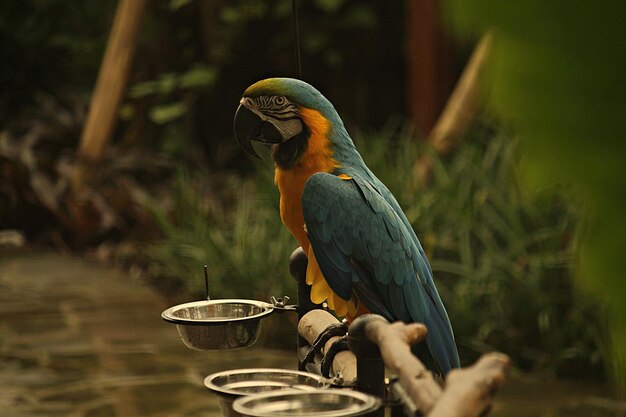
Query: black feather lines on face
[(288, 154)]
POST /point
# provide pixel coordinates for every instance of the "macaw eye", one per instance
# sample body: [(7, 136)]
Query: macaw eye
[(279, 100)]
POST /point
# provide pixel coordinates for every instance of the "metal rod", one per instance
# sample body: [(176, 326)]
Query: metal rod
[(296, 37), (297, 268), (206, 282)]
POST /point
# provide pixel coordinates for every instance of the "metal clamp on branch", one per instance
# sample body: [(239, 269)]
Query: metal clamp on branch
[(310, 327)]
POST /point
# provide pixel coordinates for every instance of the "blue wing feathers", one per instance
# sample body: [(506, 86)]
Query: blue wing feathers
[(345, 245), (364, 243), (441, 343)]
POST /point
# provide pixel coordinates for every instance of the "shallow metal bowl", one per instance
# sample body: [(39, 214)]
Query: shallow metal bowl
[(230, 385), (218, 324), (319, 403)]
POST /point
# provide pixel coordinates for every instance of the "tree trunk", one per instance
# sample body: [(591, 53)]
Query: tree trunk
[(428, 59)]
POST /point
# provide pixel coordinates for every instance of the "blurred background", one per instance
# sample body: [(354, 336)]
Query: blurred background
[(517, 194)]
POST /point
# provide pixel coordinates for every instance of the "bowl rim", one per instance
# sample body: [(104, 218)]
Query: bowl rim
[(370, 402), (220, 390), (168, 314)]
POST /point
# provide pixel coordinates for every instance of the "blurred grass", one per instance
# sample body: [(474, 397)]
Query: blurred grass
[(235, 231), (501, 255)]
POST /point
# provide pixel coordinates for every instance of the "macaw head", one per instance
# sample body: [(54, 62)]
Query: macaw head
[(282, 113)]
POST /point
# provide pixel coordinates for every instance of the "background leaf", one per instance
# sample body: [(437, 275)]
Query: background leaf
[(557, 73)]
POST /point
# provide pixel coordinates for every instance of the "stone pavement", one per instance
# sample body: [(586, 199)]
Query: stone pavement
[(81, 340)]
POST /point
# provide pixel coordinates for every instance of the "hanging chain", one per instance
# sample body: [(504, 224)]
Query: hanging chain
[(296, 38)]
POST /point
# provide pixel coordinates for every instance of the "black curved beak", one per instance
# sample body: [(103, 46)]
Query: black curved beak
[(250, 127), (247, 128)]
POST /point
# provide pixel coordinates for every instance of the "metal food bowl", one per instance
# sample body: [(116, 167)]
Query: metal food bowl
[(230, 385), (218, 324), (319, 403)]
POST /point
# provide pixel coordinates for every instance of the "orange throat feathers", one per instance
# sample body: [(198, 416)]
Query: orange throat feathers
[(318, 157)]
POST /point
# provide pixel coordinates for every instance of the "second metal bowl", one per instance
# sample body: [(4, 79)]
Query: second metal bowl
[(236, 383), (318, 403)]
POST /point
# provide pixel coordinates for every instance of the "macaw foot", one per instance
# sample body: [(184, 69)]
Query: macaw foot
[(337, 346), (339, 329)]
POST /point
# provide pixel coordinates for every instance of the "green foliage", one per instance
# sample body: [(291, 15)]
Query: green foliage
[(167, 87), (234, 228), (557, 72), (501, 255), (194, 59), (49, 45), (177, 4), (198, 76), (238, 42)]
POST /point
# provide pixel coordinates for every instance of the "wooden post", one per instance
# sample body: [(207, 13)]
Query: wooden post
[(464, 103), (429, 73), (460, 110), (111, 82)]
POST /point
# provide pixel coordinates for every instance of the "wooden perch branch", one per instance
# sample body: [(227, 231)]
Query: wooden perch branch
[(395, 341), (468, 392), (311, 325)]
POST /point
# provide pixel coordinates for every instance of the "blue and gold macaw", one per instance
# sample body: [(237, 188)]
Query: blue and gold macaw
[(363, 254)]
